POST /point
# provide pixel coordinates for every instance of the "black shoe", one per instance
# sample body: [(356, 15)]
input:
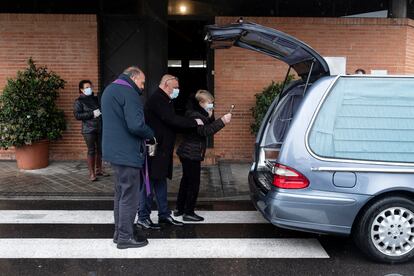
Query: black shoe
[(169, 220), (138, 235), (192, 217), (178, 213), (131, 243), (115, 239), (148, 224)]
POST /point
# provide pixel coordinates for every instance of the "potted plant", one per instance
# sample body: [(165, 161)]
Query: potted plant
[(29, 117)]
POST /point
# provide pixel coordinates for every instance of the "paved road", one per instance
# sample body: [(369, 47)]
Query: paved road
[(74, 238)]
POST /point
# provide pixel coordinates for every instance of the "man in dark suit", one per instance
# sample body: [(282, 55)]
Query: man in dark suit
[(160, 116), (124, 133)]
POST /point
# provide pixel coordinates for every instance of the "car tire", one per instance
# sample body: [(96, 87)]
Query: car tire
[(384, 226)]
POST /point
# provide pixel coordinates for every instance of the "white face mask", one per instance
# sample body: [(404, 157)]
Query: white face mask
[(175, 93), (209, 106), (87, 91)]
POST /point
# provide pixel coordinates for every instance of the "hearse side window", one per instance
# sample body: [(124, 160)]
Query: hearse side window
[(283, 116), (368, 118)]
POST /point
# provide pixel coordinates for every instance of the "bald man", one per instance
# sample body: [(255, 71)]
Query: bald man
[(124, 135), (160, 117)]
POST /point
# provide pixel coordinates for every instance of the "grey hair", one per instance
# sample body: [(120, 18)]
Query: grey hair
[(132, 71), (204, 95)]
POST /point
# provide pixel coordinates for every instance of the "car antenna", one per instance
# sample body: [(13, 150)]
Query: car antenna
[(309, 75)]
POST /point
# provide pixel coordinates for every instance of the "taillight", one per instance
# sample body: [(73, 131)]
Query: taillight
[(287, 178)]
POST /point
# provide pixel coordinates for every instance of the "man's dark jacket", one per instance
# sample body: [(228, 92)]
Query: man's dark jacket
[(193, 146), (83, 110), (161, 117), (124, 128)]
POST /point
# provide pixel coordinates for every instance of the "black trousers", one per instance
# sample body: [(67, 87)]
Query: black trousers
[(189, 186), (127, 181), (93, 141)]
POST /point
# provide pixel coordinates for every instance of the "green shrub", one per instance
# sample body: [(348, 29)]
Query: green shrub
[(28, 112), (263, 102)]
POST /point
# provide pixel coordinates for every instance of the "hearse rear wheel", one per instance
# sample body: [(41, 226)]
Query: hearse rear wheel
[(385, 231)]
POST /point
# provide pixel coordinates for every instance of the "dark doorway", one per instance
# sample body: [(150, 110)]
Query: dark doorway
[(190, 60), (187, 58)]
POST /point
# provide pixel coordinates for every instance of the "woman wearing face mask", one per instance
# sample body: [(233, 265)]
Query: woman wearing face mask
[(86, 109), (192, 150)]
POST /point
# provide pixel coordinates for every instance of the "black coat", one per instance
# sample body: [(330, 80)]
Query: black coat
[(83, 110), (160, 116), (193, 146)]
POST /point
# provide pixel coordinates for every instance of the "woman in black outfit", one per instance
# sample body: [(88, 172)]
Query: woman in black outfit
[(192, 150), (87, 110)]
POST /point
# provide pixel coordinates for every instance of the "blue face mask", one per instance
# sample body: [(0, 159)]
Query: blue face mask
[(209, 107), (87, 91), (175, 93)]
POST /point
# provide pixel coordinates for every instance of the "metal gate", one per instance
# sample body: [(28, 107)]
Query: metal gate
[(122, 42), (131, 40)]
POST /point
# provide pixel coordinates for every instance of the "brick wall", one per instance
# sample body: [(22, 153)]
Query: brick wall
[(409, 65), (239, 73), (66, 44)]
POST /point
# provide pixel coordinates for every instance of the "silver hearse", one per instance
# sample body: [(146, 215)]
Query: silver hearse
[(334, 154)]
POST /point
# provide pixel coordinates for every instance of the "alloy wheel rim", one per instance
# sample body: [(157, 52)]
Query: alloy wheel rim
[(392, 231)]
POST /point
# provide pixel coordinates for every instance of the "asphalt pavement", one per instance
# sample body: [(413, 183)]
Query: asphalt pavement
[(72, 237)]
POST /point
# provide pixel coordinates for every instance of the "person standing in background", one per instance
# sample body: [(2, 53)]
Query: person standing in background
[(87, 109), (360, 71)]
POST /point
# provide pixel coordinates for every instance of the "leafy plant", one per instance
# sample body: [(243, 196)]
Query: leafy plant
[(28, 112), (263, 102)]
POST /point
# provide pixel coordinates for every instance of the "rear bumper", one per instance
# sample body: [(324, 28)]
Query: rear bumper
[(306, 210)]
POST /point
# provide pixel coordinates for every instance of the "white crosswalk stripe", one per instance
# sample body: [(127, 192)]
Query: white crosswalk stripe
[(86, 248), (107, 217), (163, 248)]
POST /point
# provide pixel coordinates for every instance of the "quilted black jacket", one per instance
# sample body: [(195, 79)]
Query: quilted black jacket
[(83, 110), (194, 142)]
